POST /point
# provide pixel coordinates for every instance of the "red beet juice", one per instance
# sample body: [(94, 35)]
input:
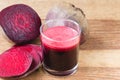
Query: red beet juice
[(60, 48)]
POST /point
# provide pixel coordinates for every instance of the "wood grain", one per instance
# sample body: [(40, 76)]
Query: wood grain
[(86, 73), (83, 73), (103, 34)]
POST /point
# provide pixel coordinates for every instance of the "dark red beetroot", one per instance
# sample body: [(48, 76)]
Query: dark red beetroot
[(34, 50), (20, 23), (14, 62)]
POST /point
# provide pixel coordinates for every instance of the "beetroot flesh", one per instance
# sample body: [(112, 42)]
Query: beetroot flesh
[(14, 62), (38, 49), (34, 50), (26, 58), (20, 23)]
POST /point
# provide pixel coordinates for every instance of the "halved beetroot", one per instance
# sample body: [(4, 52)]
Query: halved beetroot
[(14, 62), (20, 23), (34, 50)]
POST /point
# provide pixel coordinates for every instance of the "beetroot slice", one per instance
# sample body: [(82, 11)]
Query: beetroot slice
[(40, 53), (38, 49), (14, 62), (34, 50)]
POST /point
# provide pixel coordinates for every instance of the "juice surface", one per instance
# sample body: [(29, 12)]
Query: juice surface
[(60, 37)]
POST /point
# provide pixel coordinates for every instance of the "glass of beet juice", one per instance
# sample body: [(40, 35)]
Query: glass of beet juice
[(60, 44)]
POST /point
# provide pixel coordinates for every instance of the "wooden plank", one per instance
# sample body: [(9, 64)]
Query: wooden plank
[(83, 73), (99, 58), (103, 34), (102, 9)]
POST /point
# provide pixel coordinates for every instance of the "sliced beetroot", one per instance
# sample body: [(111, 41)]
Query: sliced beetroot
[(38, 49), (20, 23), (14, 62), (19, 55), (40, 53), (34, 50)]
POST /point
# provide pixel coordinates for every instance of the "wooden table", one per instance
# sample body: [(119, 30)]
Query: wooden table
[(99, 57)]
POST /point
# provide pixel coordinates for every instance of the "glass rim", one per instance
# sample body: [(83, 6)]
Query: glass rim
[(51, 20)]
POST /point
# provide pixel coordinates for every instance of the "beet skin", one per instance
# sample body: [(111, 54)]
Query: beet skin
[(20, 23)]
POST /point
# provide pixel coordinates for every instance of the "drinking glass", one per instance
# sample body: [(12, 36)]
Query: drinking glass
[(60, 45)]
